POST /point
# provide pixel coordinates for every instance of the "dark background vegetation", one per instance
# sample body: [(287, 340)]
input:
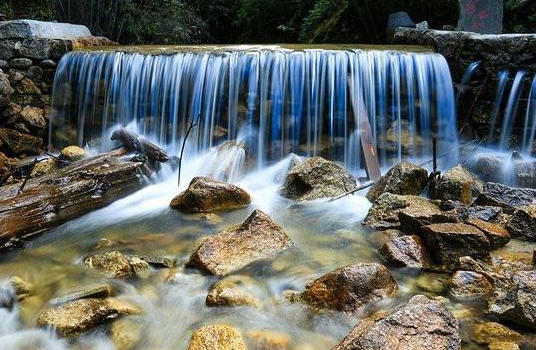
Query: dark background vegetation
[(259, 21)]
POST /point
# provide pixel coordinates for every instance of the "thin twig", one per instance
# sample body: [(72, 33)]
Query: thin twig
[(190, 128)]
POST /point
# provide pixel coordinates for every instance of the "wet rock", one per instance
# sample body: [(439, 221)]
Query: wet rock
[(516, 301), (206, 195), (489, 168), (155, 261), (350, 288), (5, 89), (469, 285), (126, 333), (21, 287), (233, 291), (497, 236), (403, 179), (259, 237), (485, 213), (216, 337), (33, 118), (522, 223), (48, 64), (384, 213), (317, 178), (7, 298), (508, 198), (420, 214), (20, 63), (269, 340), (487, 333), (231, 162), (460, 185), (72, 153), (101, 291), (19, 143), (405, 251), (448, 242), (422, 323), (82, 315), (44, 167), (117, 265)]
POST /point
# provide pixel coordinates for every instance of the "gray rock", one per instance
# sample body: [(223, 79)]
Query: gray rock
[(20, 63), (317, 178), (48, 64), (403, 179), (4, 64), (397, 20), (422, 26), (5, 90), (508, 198), (422, 323), (459, 184), (522, 223), (22, 29), (516, 301), (350, 288), (36, 48), (7, 49), (469, 285), (448, 242)]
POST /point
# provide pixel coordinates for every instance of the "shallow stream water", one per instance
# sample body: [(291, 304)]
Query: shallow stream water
[(326, 236)]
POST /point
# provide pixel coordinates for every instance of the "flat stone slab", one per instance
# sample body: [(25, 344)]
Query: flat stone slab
[(23, 29)]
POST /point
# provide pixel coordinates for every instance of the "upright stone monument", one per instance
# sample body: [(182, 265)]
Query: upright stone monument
[(481, 16)]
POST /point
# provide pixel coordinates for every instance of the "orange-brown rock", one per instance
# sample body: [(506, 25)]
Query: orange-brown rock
[(259, 237), (216, 337), (497, 235), (205, 195)]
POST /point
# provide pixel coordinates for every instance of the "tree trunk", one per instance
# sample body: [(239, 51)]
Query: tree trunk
[(65, 194)]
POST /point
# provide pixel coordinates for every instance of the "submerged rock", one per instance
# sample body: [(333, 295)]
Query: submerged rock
[(448, 242), (350, 288), (497, 236), (21, 287), (405, 251), (269, 340), (72, 153), (460, 185), (422, 323), (469, 285), (126, 333), (508, 198), (205, 195), (82, 315), (259, 237), (102, 291), (516, 300), (233, 291), (117, 265), (493, 333), (403, 179), (317, 178), (522, 223), (217, 337)]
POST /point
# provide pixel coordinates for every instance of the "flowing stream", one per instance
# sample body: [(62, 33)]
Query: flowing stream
[(277, 101)]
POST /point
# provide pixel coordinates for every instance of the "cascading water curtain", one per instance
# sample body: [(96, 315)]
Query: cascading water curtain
[(280, 101)]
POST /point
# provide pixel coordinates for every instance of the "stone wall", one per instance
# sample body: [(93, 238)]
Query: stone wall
[(29, 54), (513, 52)]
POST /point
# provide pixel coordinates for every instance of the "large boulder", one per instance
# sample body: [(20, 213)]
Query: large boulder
[(448, 242), (498, 236), (469, 285), (82, 315), (216, 337), (206, 195), (232, 291), (403, 179), (420, 324), (350, 288), (460, 185), (257, 238), (516, 300), (508, 198), (405, 251), (384, 213), (522, 223), (317, 178), (22, 29)]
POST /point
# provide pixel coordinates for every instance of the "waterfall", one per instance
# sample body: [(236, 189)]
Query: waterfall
[(280, 101)]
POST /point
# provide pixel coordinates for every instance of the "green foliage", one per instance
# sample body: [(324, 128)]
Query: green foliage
[(520, 16)]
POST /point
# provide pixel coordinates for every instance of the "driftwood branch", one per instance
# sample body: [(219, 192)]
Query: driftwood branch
[(65, 194)]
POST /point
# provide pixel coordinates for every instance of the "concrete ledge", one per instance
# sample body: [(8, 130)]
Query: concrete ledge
[(23, 29)]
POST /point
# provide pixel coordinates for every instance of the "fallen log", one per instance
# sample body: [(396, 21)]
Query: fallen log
[(134, 143), (65, 194)]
